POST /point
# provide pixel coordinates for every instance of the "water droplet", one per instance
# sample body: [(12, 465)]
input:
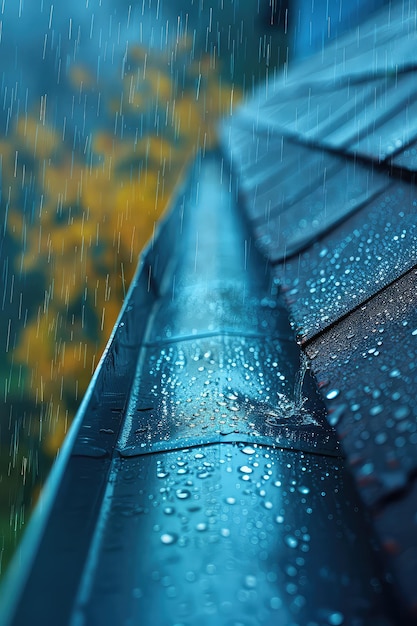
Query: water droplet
[(291, 571), (401, 412), (304, 490), (376, 410), (169, 510), (275, 603), (291, 541), (335, 414), (291, 589), (245, 469), (395, 373), (381, 438), (183, 494), (169, 538), (250, 581), (332, 394), (248, 450)]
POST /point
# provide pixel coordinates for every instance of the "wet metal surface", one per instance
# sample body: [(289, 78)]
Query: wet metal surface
[(226, 530), (225, 500), (221, 389), (232, 537), (337, 195), (383, 44), (219, 362)]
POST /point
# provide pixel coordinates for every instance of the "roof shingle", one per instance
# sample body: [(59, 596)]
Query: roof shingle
[(326, 158)]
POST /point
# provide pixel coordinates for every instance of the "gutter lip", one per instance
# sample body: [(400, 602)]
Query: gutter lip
[(18, 571)]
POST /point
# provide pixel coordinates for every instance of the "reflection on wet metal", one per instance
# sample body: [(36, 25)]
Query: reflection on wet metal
[(220, 496), (222, 387), (230, 535), (241, 383)]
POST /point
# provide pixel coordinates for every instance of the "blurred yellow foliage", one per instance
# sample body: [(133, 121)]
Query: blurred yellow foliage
[(80, 77), (36, 137), (94, 218)]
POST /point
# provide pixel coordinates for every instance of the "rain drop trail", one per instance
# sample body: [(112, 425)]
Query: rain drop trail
[(299, 380)]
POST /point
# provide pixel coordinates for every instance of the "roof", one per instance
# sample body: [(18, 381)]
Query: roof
[(326, 158)]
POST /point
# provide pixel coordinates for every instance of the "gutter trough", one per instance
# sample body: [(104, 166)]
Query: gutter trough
[(201, 483)]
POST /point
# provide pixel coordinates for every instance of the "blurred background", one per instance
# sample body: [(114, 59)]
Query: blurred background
[(103, 105)]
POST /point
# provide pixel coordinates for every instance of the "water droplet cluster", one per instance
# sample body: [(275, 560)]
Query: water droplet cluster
[(368, 366), (231, 530), (219, 387), (376, 246)]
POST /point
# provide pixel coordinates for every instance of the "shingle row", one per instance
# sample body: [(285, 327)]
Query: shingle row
[(326, 160)]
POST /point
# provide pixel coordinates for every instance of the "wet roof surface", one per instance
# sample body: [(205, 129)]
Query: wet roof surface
[(368, 365), (327, 156), (407, 159), (352, 262)]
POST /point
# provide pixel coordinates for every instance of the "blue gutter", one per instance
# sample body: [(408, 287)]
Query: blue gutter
[(200, 482)]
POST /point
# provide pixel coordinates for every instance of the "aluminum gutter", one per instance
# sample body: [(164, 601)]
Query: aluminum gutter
[(201, 482)]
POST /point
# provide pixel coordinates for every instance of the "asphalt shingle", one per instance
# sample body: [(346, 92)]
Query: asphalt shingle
[(344, 249)]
